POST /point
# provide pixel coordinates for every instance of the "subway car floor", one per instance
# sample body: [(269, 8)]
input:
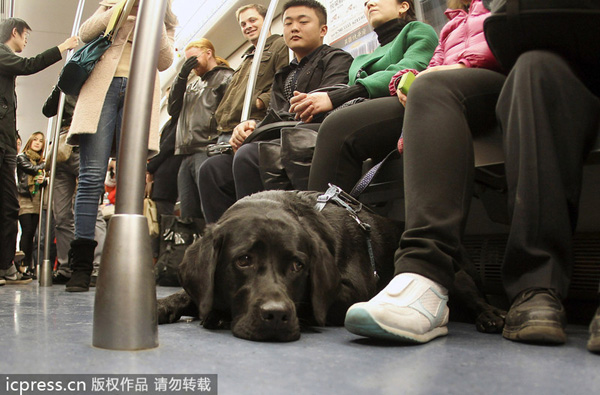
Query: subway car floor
[(47, 330)]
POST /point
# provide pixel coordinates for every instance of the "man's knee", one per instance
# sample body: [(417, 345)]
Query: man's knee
[(247, 155), (214, 169), (541, 65)]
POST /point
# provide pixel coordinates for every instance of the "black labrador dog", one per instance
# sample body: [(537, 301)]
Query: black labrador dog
[(273, 262)]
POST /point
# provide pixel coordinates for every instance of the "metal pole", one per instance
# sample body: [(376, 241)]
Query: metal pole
[(125, 306), (38, 266), (260, 46), (45, 274)]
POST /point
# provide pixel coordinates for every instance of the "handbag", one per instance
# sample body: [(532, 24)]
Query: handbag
[(151, 213), (285, 163), (79, 67), (176, 236), (569, 28)]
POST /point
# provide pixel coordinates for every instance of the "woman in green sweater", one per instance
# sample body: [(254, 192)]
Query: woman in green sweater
[(368, 129)]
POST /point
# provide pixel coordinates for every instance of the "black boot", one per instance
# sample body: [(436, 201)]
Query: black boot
[(82, 254)]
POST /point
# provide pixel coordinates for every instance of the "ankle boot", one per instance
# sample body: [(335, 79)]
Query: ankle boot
[(82, 264)]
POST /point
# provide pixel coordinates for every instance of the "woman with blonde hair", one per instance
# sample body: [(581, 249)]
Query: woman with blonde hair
[(30, 173), (195, 101), (97, 124)]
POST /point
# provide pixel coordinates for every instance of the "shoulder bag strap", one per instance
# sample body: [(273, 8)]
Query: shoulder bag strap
[(119, 16)]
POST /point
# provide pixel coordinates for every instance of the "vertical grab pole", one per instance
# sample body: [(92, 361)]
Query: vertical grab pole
[(45, 272), (260, 46), (125, 305)]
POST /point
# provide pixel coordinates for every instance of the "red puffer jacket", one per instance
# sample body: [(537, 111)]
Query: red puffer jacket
[(461, 41)]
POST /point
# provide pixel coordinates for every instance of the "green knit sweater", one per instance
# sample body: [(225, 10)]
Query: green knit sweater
[(411, 49)]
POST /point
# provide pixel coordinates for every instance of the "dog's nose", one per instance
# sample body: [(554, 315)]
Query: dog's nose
[(275, 313)]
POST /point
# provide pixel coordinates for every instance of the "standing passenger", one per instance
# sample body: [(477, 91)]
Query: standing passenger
[(97, 123), (31, 175), (14, 33)]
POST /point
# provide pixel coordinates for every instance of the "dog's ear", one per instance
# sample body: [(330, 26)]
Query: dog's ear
[(197, 270), (325, 275), (325, 282)]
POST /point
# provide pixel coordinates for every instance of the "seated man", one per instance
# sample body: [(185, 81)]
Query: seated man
[(274, 57), (314, 66), (195, 103)]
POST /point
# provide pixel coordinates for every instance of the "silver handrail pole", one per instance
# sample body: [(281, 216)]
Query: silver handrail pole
[(41, 257), (45, 273), (260, 47), (125, 306)]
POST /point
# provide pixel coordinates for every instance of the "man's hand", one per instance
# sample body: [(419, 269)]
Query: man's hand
[(189, 65), (259, 104), (307, 105), (69, 43), (240, 133)]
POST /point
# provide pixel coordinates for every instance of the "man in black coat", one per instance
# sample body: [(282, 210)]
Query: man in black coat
[(14, 33)]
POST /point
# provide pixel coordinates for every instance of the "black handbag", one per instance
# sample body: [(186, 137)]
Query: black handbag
[(176, 235), (569, 28), (79, 67)]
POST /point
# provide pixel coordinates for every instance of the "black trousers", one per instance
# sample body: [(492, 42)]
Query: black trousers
[(9, 209), (444, 110), (29, 224), (550, 120), (350, 136)]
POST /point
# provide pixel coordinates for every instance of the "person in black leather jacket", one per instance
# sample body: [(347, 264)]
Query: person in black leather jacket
[(30, 173), (195, 103)]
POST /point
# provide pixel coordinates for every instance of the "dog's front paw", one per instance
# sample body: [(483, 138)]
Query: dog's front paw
[(491, 320), (166, 314)]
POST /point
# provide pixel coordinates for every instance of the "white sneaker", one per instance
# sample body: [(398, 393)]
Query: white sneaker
[(410, 309)]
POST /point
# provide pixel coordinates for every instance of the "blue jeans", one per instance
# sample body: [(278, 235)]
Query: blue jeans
[(94, 152)]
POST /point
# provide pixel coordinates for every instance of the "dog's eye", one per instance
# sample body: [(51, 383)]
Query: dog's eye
[(244, 261), (297, 266)]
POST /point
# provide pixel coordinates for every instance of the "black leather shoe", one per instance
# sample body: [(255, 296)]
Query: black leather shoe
[(536, 316), (594, 341), (60, 278)]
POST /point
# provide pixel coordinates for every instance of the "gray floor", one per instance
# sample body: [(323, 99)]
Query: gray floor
[(46, 330)]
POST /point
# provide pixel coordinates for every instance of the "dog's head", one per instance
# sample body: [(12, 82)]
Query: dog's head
[(269, 259)]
